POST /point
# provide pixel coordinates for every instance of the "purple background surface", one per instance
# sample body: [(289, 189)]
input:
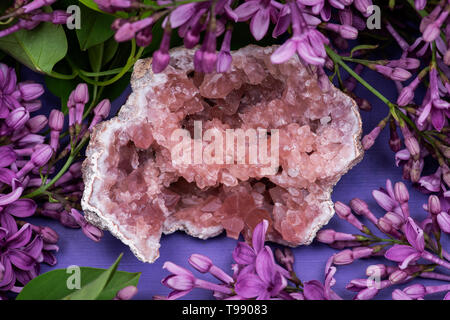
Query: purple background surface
[(371, 173)]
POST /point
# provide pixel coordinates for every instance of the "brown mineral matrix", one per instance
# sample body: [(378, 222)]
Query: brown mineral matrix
[(135, 188)]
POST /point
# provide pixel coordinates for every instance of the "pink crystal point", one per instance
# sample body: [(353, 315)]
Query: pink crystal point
[(137, 190)]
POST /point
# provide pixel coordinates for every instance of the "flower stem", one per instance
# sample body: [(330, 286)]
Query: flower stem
[(63, 170)]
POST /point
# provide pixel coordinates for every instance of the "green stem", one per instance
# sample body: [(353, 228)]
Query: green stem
[(61, 76), (100, 73), (131, 61), (63, 170), (337, 59)]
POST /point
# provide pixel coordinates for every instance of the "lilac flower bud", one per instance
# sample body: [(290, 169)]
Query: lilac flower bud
[(209, 56), (224, 58), (405, 63), (345, 31), (398, 294), (394, 219), (330, 236), (363, 104), (434, 205), (415, 291), (344, 257), (394, 140), (101, 111), (344, 212), (398, 74), (80, 98), (398, 276), (42, 155), (420, 4), (48, 235), (30, 90), (416, 170), (406, 96), (144, 37), (412, 145), (17, 118), (433, 30), (88, 229), (443, 220), (59, 17), (286, 258), (36, 4), (363, 6), (447, 56), (348, 32), (357, 284), (401, 192), (369, 139), (37, 123), (346, 16), (127, 31), (367, 293), (56, 120), (32, 106), (385, 225), (362, 252), (126, 293), (200, 262), (161, 57), (67, 220)]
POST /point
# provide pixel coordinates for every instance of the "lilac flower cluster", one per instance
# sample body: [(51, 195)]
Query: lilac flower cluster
[(424, 126), (26, 164), (257, 274), (27, 15), (414, 246), (217, 17)]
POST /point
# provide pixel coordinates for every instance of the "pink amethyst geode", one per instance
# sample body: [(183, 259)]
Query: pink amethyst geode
[(135, 189)]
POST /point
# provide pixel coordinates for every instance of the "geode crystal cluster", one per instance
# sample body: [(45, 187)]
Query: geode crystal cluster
[(135, 188)]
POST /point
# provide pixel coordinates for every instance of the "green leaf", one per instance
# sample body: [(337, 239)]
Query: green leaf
[(39, 49), (93, 289), (52, 285), (96, 57), (111, 47), (91, 4), (95, 29), (363, 47)]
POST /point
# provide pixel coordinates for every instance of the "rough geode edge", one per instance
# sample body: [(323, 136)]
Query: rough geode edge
[(94, 151)]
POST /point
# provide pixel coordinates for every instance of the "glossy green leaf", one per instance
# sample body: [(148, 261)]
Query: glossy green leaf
[(111, 47), (95, 28), (53, 284), (96, 57), (93, 289), (39, 49)]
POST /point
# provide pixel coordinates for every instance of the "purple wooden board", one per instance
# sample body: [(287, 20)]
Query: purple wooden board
[(378, 165)]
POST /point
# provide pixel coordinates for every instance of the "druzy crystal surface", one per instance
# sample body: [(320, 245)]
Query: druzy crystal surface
[(137, 190)]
